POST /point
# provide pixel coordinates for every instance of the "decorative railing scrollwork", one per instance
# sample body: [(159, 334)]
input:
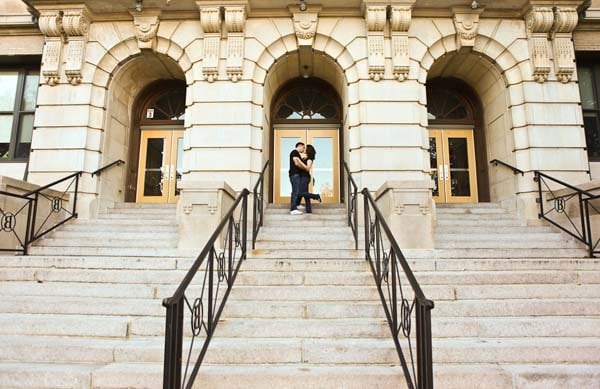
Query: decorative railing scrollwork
[(209, 281), (15, 216), (258, 204)]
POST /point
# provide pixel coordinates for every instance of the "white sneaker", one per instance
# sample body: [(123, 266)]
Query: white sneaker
[(301, 208), (296, 212)]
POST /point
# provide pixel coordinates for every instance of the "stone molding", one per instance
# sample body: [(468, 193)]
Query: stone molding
[(376, 17), (400, 18), (211, 20), (64, 27), (146, 26), (466, 23), (554, 24), (235, 21)]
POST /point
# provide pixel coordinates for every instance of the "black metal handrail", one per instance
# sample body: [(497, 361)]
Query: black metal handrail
[(515, 170), (352, 205), (386, 260), (258, 205), (204, 311), (98, 172), (568, 203)]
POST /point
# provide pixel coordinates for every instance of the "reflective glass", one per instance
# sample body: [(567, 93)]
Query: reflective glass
[(32, 81), (460, 180), (323, 166), (6, 122), (8, 89), (179, 168), (592, 136), (586, 88), (286, 145), (25, 134), (153, 174), (433, 163)]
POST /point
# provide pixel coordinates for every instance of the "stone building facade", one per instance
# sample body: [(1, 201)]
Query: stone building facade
[(196, 96)]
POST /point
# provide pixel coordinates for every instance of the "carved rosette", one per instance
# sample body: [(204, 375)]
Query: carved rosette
[(565, 21), (305, 27), (466, 23), (376, 17), (76, 25), (211, 21), (539, 21), (235, 20), (146, 27), (400, 19), (50, 23)]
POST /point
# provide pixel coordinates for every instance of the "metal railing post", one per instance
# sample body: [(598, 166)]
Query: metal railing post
[(424, 353), (173, 345)]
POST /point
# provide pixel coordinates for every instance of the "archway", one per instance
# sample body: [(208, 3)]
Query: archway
[(304, 95), (135, 87), (466, 92)]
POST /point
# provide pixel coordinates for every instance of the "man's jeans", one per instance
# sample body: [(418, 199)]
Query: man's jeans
[(304, 182), (296, 181)]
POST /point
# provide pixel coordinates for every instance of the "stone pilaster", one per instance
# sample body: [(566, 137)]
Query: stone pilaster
[(539, 22), (211, 20), (235, 21), (50, 24), (565, 21), (376, 16), (400, 18)]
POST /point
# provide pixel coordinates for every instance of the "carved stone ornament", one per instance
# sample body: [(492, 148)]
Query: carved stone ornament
[(146, 27), (235, 20), (565, 21), (375, 16), (76, 25), (466, 23), (50, 23), (539, 21), (400, 19), (211, 20), (305, 27)]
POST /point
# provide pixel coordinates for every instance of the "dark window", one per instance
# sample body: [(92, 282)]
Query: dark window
[(167, 106), (18, 95), (589, 85), (447, 104), (307, 102)]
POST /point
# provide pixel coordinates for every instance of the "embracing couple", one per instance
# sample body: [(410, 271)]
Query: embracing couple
[(301, 162)]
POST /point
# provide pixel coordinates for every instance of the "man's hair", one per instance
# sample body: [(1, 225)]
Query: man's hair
[(299, 144)]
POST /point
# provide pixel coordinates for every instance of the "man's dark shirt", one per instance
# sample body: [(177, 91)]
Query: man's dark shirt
[(293, 168)]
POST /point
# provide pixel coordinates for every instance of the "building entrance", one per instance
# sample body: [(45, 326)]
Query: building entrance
[(326, 166), (453, 170), (160, 165)]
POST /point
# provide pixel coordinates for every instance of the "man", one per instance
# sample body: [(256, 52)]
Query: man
[(297, 170)]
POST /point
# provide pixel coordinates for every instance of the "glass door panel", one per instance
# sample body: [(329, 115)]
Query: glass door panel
[(153, 175), (176, 165), (436, 159), (326, 165), (285, 141)]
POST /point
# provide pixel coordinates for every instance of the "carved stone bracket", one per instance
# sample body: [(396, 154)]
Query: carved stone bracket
[(211, 21), (76, 25), (50, 23), (539, 22), (466, 23), (375, 16), (565, 21), (305, 25), (146, 26), (235, 21), (400, 19)]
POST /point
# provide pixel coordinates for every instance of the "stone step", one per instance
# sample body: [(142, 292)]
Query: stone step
[(261, 252), (134, 212), (148, 217), (471, 210), (104, 251), (531, 291), (460, 235), (107, 235), (339, 206), (60, 289), (106, 263), (564, 243), (468, 205), (451, 229), (63, 325), (291, 219), (316, 210), (126, 222), (115, 241), (514, 252), (118, 228), (143, 206), (307, 222), (291, 244), (458, 223)]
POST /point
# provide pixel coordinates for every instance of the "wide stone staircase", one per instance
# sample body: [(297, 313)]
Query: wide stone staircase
[(517, 306)]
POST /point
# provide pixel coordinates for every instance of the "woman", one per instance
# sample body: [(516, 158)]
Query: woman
[(306, 178)]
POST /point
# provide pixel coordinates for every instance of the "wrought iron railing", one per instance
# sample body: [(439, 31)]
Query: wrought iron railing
[(201, 297), (565, 206), (98, 172), (406, 307), (25, 218), (352, 205), (258, 205)]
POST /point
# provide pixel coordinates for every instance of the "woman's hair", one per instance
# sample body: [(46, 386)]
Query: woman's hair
[(311, 152)]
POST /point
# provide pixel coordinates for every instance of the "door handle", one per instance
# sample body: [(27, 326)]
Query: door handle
[(446, 172)]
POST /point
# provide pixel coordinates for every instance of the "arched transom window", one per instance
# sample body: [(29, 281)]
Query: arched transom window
[(447, 104), (169, 105), (307, 102)]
